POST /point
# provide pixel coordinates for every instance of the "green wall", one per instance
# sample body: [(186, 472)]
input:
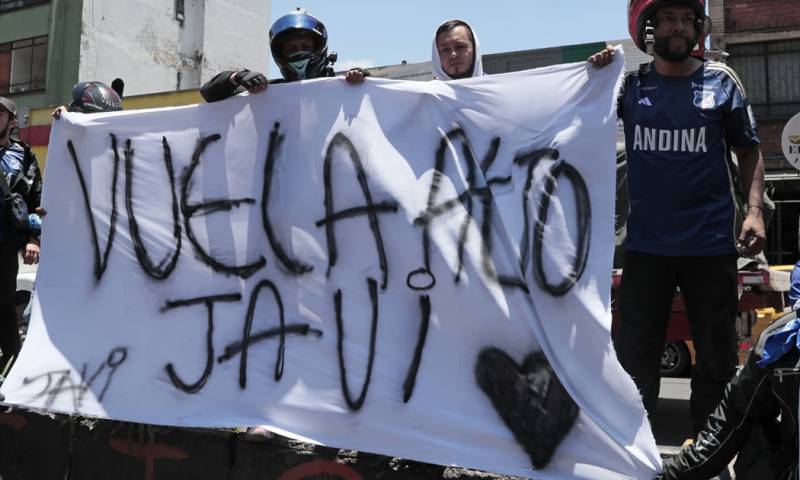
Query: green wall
[(25, 23), (579, 53), (64, 51), (60, 20)]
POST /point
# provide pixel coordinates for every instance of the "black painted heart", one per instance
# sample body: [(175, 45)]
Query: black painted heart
[(530, 399)]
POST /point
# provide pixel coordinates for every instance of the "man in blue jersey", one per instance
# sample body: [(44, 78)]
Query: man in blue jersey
[(683, 116)]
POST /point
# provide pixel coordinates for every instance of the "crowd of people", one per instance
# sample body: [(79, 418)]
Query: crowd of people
[(682, 231)]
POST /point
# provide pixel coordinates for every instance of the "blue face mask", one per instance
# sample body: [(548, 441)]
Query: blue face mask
[(299, 63)]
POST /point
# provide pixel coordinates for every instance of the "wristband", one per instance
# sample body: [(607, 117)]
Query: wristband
[(759, 207)]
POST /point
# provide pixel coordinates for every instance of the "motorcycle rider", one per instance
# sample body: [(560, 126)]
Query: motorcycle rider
[(299, 46), (757, 417), (22, 187)]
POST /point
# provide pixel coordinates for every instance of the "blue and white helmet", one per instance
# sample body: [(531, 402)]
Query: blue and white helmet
[(303, 65)]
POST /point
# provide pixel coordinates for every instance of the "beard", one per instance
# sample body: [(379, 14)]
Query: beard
[(669, 52), (465, 74), (458, 76)]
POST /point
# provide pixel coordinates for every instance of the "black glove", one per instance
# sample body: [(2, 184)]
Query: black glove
[(249, 79)]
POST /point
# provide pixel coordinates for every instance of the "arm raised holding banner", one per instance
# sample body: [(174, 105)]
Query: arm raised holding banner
[(680, 114), (228, 83)]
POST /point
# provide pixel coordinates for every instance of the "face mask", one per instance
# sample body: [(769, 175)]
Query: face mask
[(299, 62)]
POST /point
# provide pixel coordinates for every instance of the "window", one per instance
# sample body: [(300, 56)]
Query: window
[(6, 5), (769, 72), (180, 11), (23, 64)]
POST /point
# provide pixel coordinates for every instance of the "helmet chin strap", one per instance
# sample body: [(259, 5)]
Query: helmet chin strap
[(649, 38)]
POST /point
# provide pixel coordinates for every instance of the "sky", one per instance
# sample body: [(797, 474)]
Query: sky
[(370, 33)]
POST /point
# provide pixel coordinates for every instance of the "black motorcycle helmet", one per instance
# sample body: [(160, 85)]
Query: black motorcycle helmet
[(302, 65), (94, 97)]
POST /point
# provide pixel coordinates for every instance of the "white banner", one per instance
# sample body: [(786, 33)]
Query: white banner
[(380, 267)]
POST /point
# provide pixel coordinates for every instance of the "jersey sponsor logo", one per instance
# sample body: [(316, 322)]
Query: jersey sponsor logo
[(645, 101), (657, 140), (703, 86), (704, 99)]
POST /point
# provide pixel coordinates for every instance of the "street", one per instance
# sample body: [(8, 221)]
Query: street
[(671, 424)]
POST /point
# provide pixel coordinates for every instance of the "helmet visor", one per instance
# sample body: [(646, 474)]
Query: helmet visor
[(297, 21), (293, 23)]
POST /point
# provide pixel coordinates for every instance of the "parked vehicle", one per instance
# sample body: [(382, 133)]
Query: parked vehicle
[(762, 292), (762, 299)]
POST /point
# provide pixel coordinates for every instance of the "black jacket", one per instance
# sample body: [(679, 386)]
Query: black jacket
[(756, 419), (21, 170), (221, 87)]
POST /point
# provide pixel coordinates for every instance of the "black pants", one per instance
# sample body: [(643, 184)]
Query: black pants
[(708, 285), (9, 321)]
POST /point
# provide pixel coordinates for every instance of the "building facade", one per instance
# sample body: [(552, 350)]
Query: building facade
[(46, 46), (762, 40)]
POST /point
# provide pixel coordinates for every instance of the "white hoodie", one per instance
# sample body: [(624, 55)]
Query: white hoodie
[(436, 61)]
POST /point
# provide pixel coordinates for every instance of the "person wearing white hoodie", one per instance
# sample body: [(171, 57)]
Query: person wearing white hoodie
[(456, 52)]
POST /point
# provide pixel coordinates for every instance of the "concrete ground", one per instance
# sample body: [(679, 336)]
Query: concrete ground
[(671, 424)]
